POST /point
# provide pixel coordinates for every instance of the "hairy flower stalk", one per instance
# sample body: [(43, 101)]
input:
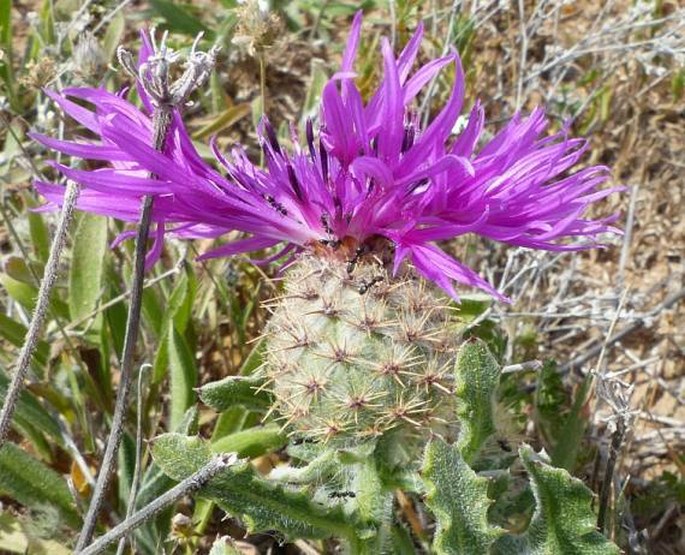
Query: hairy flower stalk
[(165, 98), (361, 338)]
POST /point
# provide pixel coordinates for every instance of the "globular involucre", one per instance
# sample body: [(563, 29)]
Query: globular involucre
[(354, 353)]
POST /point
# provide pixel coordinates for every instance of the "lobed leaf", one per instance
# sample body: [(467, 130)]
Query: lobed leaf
[(477, 375), (563, 521), (458, 498), (241, 491)]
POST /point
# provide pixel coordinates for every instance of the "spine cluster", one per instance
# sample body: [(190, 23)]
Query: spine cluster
[(354, 353)]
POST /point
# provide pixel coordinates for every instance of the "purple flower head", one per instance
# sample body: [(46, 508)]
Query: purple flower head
[(370, 174)]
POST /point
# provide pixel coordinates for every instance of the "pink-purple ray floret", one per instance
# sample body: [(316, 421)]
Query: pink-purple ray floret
[(369, 170)]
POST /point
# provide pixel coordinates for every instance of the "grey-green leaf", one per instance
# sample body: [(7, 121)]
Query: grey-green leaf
[(458, 498), (239, 490), (236, 391), (252, 442), (87, 265), (183, 376), (563, 521), (33, 484), (477, 375)]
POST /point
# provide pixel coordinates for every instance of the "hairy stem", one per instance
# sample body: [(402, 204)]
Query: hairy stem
[(139, 455), (614, 449), (161, 123), (39, 312), (190, 484)]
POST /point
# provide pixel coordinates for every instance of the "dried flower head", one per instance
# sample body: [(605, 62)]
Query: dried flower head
[(257, 28), (89, 60), (370, 179), (39, 73)]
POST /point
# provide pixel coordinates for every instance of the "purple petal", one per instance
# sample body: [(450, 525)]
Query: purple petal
[(352, 42)]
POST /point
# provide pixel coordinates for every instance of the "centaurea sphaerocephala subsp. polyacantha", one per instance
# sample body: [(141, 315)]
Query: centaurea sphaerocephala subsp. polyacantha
[(370, 172)]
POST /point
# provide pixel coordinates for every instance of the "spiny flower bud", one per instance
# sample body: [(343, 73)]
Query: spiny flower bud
[(354, 353)]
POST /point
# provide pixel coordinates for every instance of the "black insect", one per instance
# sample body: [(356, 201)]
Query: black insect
[(504, 445), (364, 286), (359, 252), (302, 440), (332, 243), (341, 494)]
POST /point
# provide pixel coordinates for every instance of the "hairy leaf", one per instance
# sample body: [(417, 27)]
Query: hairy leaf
[(242, 492), (236, 391), (183, 374), (459, 501), (563, 521), (87, 265), (251, 443), (33, 484), (476, 380)]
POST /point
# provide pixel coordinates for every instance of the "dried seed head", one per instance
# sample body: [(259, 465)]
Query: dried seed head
[(154, 75), (257, 28), (39, 74), (90, 60)]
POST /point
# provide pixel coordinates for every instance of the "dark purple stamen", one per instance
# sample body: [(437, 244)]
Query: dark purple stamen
[(294, 183), (408, 139), (271, 135), (324, 161), (309, 128)]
